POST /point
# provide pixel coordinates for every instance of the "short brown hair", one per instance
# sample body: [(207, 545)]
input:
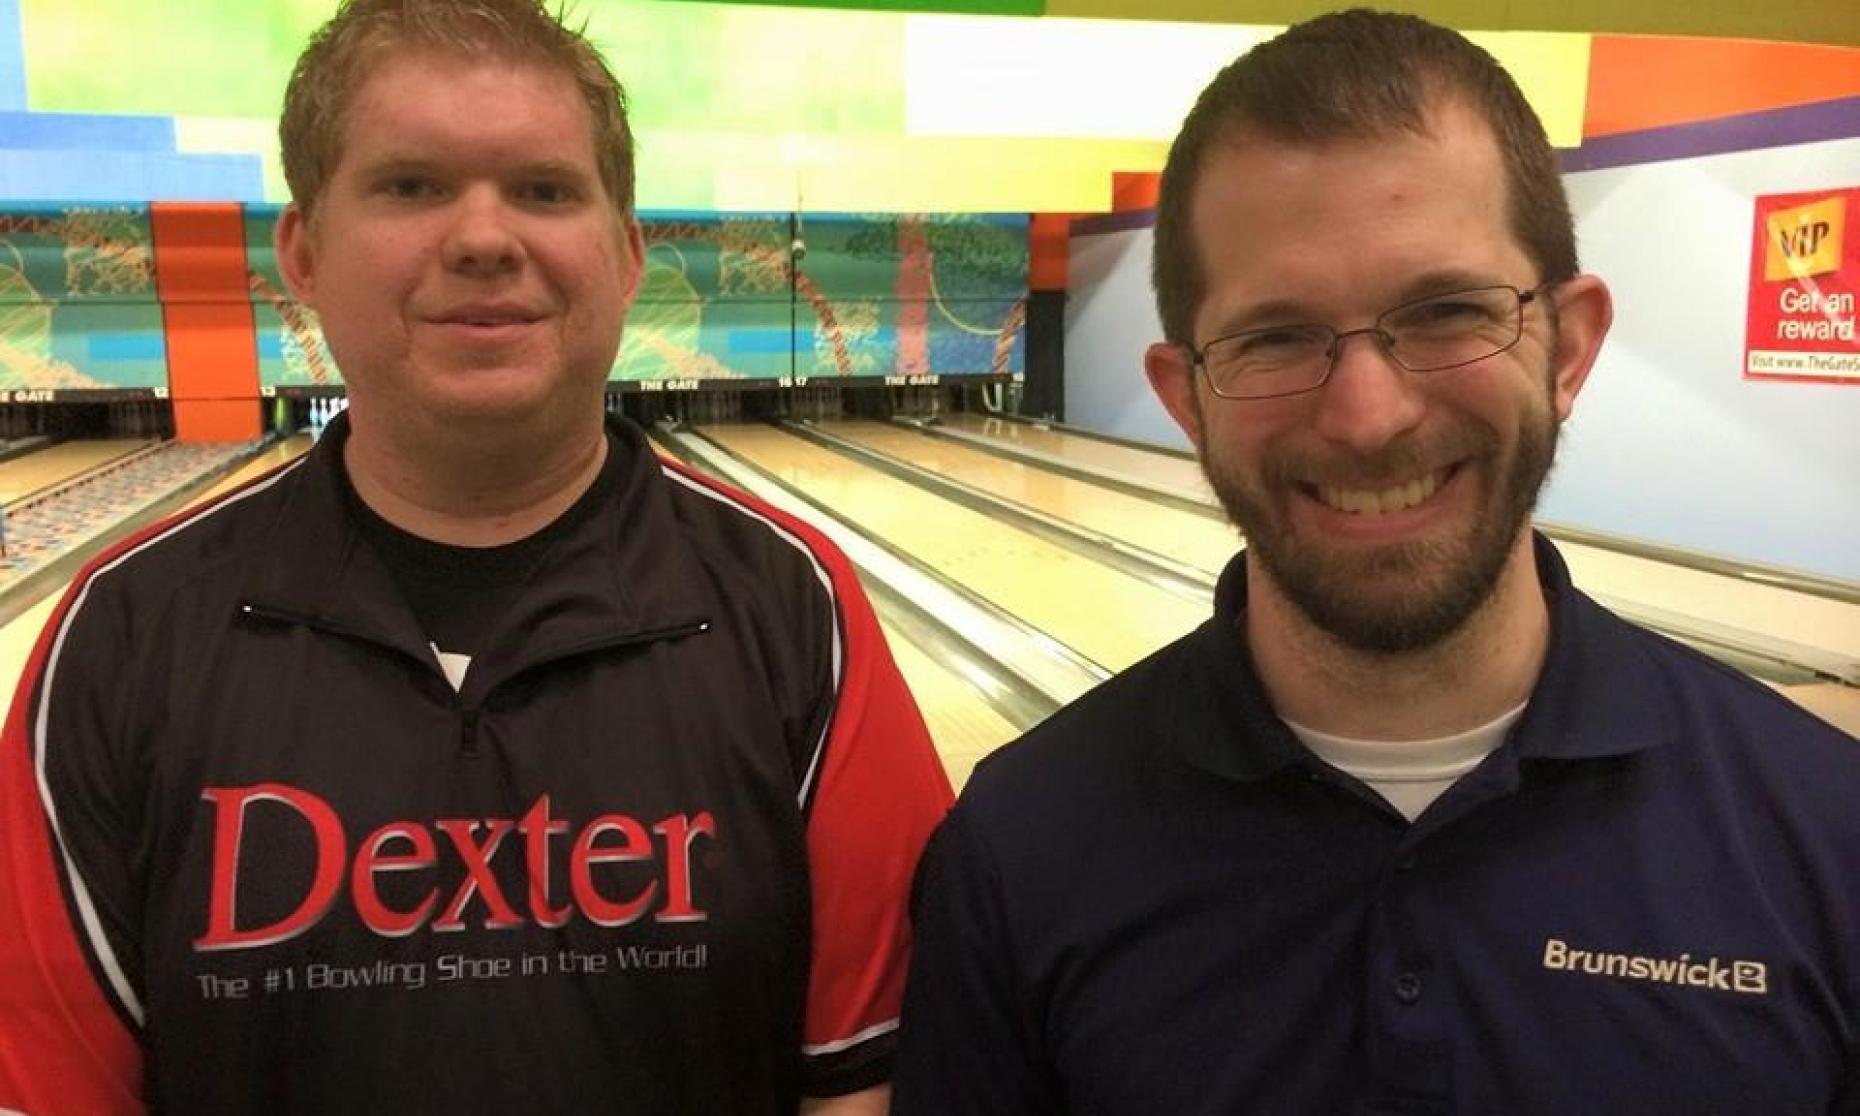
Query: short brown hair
[(1356, 75), (350, 47)]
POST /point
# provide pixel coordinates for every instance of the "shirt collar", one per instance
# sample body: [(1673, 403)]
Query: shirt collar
[(1595, 697), (626, 568)]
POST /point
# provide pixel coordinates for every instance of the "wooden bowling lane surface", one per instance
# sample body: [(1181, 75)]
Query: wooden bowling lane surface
[(1834, 703), (1163, 470), (1105, 615), (964, 726), (1194, 540), (281, 452), (59, 462), (18, 636), (1773, 611)]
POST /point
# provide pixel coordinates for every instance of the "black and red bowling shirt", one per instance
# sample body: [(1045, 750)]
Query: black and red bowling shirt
[(650, 855)]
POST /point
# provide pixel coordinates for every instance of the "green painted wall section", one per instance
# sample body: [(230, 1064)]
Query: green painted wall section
[(690, 66)]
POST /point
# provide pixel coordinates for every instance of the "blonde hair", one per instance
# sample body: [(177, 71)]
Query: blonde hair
[(348, 49)]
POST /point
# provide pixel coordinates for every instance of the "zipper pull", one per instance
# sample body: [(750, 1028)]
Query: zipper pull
[(468, 731)]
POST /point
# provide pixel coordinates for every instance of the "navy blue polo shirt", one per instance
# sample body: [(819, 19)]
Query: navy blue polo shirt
[(1646, 901)]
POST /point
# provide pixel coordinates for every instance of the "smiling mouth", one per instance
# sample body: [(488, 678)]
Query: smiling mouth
[(487, 322), (487, 316), (1383, 501)]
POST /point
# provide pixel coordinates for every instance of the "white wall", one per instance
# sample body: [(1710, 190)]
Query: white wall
[(1668, 443), (1110, 319)]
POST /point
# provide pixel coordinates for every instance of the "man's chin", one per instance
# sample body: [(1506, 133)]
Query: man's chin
[(1389, 599)]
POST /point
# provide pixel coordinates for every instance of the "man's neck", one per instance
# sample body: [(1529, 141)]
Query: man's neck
[(488, 493), (1488, 666)]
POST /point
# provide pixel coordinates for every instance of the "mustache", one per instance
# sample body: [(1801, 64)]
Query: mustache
[(1396, 462)]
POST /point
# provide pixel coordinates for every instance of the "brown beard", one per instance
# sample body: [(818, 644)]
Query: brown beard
[(1445, 581)]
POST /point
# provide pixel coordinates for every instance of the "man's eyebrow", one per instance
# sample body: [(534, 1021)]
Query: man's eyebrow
[(394, 162), (1445, 282), (1265, 314), (555, 168), (398, 163)]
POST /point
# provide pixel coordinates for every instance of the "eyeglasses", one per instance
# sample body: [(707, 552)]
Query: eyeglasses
[(1427, 335)]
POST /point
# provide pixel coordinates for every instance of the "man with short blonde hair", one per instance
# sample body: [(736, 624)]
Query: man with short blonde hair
[(479, 762)]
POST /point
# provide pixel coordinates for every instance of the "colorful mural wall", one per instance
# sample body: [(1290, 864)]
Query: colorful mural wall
[(78, 306), (896, 297)]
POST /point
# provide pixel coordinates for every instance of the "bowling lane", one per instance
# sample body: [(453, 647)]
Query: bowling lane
[(1834, 703), (279, 453), (962, 724), (1107, 616), (42, 468), (1818, 623), (18, 636), (1194, 540), (1178, 475)]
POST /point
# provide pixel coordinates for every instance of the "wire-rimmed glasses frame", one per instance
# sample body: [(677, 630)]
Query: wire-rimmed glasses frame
[(1432, 334)]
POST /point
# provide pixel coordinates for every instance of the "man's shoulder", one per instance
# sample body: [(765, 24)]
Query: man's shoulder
[(1109, 743), (735, 535), (207, 544), (1730, 703), (1748, 731)]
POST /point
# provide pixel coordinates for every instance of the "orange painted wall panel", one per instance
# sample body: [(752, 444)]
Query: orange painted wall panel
[(217, 420), (1638, 82), (200, 271), (1134, 190), (1048, 251)]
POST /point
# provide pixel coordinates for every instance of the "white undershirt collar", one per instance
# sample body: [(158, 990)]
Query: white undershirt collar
[(1410, 774)]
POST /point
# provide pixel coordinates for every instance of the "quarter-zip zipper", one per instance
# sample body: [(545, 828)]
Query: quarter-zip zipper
[(469, 715), (589, 647), (324, 624), (468, 732)]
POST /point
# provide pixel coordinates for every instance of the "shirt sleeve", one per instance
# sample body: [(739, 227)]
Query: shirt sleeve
[(68, 1039), (970, 1044), (880, 791)]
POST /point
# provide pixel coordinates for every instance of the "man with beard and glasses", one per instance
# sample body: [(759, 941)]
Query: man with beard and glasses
[(1411, 825)]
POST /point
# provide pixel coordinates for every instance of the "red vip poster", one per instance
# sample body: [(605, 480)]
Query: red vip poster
[(1804, 272)]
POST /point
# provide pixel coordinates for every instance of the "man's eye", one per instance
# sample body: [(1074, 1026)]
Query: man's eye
[(1274, 341), (410, 187), (1447, 312), (548, 193)]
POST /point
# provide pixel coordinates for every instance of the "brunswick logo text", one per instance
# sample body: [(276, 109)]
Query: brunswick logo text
[(1749, 978)]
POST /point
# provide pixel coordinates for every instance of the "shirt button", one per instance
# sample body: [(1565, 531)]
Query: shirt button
[(1406, 862), (1407, 987)]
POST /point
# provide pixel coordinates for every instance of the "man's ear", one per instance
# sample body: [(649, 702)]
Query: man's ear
[(1585, 310), (294, 243), (635, 242), (1172, 378)]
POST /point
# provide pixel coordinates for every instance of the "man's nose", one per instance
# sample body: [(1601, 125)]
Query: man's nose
[(481, 238), (1368, 399)]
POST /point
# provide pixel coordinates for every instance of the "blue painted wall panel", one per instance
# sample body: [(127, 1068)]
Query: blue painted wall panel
[(79, 131), (119, 175)]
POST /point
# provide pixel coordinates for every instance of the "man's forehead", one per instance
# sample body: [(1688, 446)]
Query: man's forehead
[(402, 107), (1295, 228), (1442, 116), (390, 66)]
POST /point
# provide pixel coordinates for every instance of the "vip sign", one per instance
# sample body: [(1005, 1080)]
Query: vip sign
[(1804, 275)]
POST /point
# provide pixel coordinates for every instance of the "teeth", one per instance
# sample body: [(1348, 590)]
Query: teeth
[(1358, 501)]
